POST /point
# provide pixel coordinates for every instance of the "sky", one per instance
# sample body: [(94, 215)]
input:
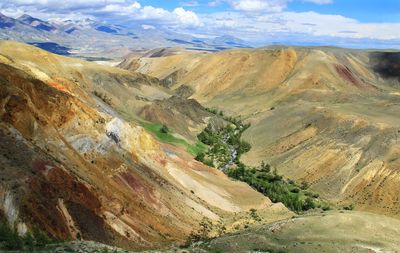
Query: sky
[(352, 23)]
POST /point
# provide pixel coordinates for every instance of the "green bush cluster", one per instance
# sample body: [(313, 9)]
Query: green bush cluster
[(222, 142), (11, 240), (274, 186), (225, 144)]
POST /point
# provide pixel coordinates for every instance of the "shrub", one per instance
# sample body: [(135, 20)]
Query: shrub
[(349, 208), (29, 241), (41, 238), (264, 167), (200, 157), (164, 129), (325, 207), (308, 204), (9, 238), (103, 97), (295, 190), (304, 185)]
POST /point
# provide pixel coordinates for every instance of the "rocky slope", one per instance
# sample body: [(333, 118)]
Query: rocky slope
[(327, 116), (77, 167)]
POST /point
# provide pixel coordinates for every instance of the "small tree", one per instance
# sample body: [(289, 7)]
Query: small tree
[(29, 242), (41, 237), (264, 167), (9, 238), (164, 129), (304, 185), (200, 157), (308, 204)]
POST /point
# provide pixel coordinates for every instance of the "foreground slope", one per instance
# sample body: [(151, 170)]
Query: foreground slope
[(72, 166), (329, 232), (333, 231), (327, 116)]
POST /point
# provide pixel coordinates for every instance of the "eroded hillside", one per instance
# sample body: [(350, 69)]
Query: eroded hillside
[(75, 167), (322, 115)]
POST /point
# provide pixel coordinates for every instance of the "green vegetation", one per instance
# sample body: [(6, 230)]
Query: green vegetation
[(196, 148), (254, 215), (349, 208), (206, 228), (164, 129), (103, 97), (10, 240), (224, 150), (96, 58), (276, 187), (225, 146), (162, 133)]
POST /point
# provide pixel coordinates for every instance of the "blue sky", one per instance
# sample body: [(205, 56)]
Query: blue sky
[(355, 23), (362, 10)]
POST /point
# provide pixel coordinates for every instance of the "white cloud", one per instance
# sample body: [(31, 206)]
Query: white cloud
[(121, 10), (253, 20), (72, 4), (187, 18), (259, 5), (148, 27), (319, 1), (295, 25)]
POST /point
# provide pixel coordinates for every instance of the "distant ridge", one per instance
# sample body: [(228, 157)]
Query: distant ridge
[(91, 38)]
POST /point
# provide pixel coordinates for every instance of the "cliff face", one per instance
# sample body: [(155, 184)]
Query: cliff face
[(323, 115), (74, 167)]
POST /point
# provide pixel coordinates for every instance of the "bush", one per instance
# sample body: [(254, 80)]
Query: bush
[(41, 238), (164, 129), (9, 238), (308, 204), (264, 167), (349, 208), (103, 97), (202, 234), (304, 185), (295, 190), (325, 207), (200, 157), (209, 162), (29, 242)]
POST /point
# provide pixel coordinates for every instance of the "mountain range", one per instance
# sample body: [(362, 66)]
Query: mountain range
[(92, 39)]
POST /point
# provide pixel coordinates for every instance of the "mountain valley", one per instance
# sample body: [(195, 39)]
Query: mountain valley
[(90, 152)]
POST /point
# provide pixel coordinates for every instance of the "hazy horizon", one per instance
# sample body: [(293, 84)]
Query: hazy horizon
[(343, 23)]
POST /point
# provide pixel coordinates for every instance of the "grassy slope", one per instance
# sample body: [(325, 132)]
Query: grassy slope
[(169, 138)]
